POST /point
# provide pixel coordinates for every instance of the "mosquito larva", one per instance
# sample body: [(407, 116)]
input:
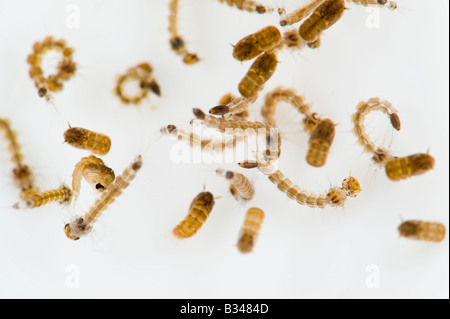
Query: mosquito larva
[(22, 175), (141, 73), (65, 70), (78, 137), (259, 73), (320, 142), (246, 5), (241, 184), (379, 155), (256, 43), (391, 5), (252, 224), (421, 230), (327, 14), (94, 171), (400, 168), (63, 195), (81, 226), (298, 14), (198, 213), (176, 41)]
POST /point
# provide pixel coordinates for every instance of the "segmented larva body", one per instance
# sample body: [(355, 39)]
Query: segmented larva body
[(421, 230), (240, 183), (233, 107), (297, 101), (94, 171), (198, 213), (379, 155), (256, 43), (405, 167), (176, 41), (207, 145), (141, 73), (320, 142), (252, 224), (222, 125), (259, 73), (246, 5), (22, 175), (391, 5), (62, 195), (84, 139), (327, 14), (65, 70), (80, 226), (298, 14)]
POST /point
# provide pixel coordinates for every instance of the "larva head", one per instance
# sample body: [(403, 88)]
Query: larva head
[(219, 110), (395, 121), (206, 198), (176, 43), (168, 129), (191, 58), (229, 175), (409, 228), (245, 243), (382, 2), (42, 92), (137, 164), (75, 136), (351, 185), (98, 176), (260, 9), (199, 114), (152, 85), (248, 164)]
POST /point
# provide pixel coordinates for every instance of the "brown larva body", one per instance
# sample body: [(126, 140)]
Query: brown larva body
[(421, 230), (404, 167), (62, 195), (246, 5), (320, 142), (298, 14), (94, 171), (199, 211), (252, 224), (82, 138), (256, 43), (81, 226), (327, 14), (260, 71)]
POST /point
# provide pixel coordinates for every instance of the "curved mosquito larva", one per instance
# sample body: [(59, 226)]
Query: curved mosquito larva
[(198, 213), (241, 184), (84, 139), (320, 142), (65, 70), (22, 175), (177, 43), (94, 171), (400, 168), (298, 14), (391, 5), (81, 226), (246, 5), (258, 74), (326, 15), (379, 155), (141, 73), (256, 43), (63, 195), (252, 224), (422, 230)]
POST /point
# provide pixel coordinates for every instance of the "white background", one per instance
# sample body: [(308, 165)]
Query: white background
[(301, 252)]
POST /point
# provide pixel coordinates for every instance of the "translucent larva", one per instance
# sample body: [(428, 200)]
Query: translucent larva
[(246, 5), (298, 14), (405, 167), (422, 230), (252, 224), (65, 70), (94, 171), (259, 73), (63, 195), (256, 43), (391, 5), (241, 184), (142, 74), (326, 15), (97, 143), (320, 142), (198, 213), (176, 41), (81, 226)]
